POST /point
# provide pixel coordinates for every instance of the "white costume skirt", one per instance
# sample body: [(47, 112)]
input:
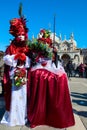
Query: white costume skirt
[(17, 114)]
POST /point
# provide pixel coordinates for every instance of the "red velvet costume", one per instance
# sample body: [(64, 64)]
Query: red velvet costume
[(17, 28), (49, 100)]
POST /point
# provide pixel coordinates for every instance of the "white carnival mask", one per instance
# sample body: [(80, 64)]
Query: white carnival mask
[(22, 37)]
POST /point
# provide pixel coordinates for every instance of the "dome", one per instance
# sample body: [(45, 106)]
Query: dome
[(72, 41)]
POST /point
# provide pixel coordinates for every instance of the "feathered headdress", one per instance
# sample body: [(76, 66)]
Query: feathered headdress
[(18, 25)]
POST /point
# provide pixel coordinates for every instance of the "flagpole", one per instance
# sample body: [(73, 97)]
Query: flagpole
[(54, 50), (54, 27)]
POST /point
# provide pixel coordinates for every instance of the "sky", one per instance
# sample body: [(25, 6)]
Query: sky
[(70, 16)]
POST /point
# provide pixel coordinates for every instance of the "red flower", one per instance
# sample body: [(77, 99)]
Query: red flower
[(20, 77), (48, 41), (41, 39), (42, 31)]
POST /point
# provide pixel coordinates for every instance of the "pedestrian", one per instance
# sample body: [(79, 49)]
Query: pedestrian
[(70, 68), (81, 70), (1, 75)]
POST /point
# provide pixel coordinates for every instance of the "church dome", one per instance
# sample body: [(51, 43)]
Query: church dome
[(71, 40)]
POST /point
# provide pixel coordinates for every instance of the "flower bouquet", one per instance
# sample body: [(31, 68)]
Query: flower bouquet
[(20, 77)]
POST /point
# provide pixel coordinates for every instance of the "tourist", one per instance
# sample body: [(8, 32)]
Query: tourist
[(81, 70), (70, 69)]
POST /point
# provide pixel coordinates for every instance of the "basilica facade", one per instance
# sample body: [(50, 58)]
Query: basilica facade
[(68, 50)]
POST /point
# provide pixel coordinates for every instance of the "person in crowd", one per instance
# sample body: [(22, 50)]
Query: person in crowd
[(81, 70), (77, 71), (1, 74), (86, 70), (70, 68)]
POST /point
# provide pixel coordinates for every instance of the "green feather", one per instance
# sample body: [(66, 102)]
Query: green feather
[(20, 10)]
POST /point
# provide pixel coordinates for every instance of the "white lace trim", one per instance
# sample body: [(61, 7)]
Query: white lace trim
[(9, 60), (50, 67)]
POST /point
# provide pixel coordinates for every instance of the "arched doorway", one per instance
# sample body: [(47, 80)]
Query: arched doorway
[(76, 59), (85, 59), (65, 58)]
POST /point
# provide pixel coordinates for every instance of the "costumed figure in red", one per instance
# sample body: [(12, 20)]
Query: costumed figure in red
[(15, 74), (49, 101)]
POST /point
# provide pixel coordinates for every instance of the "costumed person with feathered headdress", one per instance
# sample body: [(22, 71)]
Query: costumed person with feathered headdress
[(15, 74), (49, 101)]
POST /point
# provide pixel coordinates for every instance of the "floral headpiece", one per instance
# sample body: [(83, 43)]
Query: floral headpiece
[(41, 47)]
